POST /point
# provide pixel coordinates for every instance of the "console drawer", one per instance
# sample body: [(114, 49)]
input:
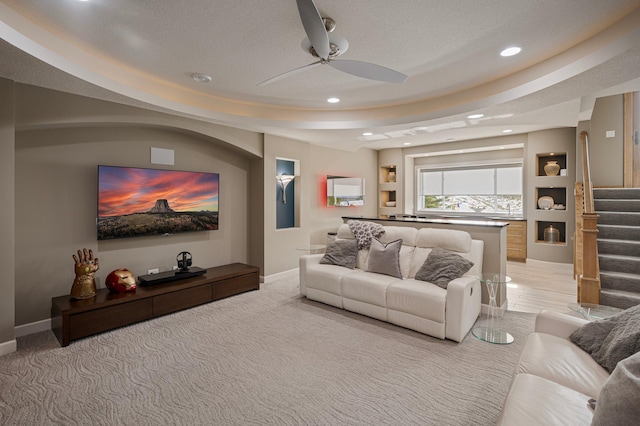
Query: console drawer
[(87, 323), (226, 288), (182, 299)]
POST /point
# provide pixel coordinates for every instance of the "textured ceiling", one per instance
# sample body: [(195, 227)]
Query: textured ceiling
[(144, 52)]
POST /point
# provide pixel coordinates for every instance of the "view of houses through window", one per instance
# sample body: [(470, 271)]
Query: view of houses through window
[(495, 189)]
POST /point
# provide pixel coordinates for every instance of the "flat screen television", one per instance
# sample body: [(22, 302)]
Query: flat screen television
[(134, 202)]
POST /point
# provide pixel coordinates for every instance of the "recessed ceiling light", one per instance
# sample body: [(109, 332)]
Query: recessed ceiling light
[(419, 128), (201, 78), (407, 143), (510, 51), (367, 134), (450, 139), (507, 131), (333, 100), (472, 116), (502, 147)]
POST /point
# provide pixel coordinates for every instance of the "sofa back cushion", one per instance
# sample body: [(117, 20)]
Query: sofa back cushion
[(448, 239), (417, 244)]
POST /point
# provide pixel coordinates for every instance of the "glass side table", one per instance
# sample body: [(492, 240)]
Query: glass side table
[(594, 312), (489, 332)]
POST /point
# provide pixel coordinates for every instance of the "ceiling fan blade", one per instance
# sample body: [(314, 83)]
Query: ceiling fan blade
[(289, 73), (314, 27), (368, 70)]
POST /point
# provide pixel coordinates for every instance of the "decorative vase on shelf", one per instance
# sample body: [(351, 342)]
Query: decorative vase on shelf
[(391, 177), (552, 168)]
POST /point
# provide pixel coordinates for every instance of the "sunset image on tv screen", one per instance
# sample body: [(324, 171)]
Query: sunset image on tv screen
[(136, 201)]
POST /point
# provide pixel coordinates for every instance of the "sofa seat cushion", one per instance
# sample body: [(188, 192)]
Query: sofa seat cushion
[(367, 287), (533, 400), (418, 298), (327, 278), (558, 360)]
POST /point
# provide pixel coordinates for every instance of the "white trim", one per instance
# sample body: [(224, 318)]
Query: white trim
[(33, 327), (8, 347), (280, 275)]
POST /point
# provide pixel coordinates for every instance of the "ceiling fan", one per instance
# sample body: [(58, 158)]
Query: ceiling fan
[(327, 49)]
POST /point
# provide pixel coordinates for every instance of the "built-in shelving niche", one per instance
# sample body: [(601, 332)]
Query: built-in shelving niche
[(541, 225), (387, 196), (543, 159), (559, 195)]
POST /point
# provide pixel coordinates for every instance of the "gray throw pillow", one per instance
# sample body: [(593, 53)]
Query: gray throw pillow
[(611, 339), (617, 402), (341, 253), (442, 266), (385, 258)]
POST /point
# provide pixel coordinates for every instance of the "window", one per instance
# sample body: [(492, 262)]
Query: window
[(495, 189)]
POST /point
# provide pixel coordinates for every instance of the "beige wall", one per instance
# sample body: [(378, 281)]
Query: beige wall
[(7, 233), (56, 158), (607, 154), (56, 198), (316, 219)]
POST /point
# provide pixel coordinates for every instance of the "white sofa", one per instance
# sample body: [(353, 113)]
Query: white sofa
[(554, 379), (444, 313)]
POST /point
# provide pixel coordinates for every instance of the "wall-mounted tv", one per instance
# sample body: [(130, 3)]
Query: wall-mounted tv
[(135, 202)]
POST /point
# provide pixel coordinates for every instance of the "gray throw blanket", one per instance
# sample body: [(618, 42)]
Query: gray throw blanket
[(364, 232)]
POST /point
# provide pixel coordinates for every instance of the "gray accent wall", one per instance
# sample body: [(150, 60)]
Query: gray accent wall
[(7, 217), (56, 207)]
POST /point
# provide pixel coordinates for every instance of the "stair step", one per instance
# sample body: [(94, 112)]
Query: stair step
[(629, 193), (618, 232), (619, 299), (623, 247), (618, 263), (619, 218), (617, 205), (620, 281)]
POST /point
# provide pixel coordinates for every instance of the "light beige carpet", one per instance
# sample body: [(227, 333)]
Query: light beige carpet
[(264, 357)]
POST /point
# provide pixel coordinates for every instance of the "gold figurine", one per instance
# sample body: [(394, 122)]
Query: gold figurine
[(84, 286)]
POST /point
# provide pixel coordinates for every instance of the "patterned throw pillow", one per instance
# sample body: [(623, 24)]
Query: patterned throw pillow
[(364, 231), (385, 258), (442, 266)]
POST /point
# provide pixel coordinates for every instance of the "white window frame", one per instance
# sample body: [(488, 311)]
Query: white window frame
[(503, 163)]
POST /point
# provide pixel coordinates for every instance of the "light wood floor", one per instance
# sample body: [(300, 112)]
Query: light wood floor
[(537, 285)]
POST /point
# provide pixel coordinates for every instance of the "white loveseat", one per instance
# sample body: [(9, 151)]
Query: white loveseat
[(554, 380), (418, 305)]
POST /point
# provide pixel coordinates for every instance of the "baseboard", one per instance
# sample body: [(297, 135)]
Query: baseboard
[(8, 347), (280, 275), (33, 327)]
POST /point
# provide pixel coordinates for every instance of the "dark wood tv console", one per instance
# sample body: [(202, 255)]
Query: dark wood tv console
[(74, 319)]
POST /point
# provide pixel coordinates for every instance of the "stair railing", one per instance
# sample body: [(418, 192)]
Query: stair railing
[(586, 265)]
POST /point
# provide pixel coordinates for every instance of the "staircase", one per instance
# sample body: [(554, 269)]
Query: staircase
[(618, 245)]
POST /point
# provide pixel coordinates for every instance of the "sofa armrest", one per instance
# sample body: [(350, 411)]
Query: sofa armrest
[(304, 263), (558, 324), (464, 297)]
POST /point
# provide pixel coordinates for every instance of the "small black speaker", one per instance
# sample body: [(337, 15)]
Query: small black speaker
[(184, 260)]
